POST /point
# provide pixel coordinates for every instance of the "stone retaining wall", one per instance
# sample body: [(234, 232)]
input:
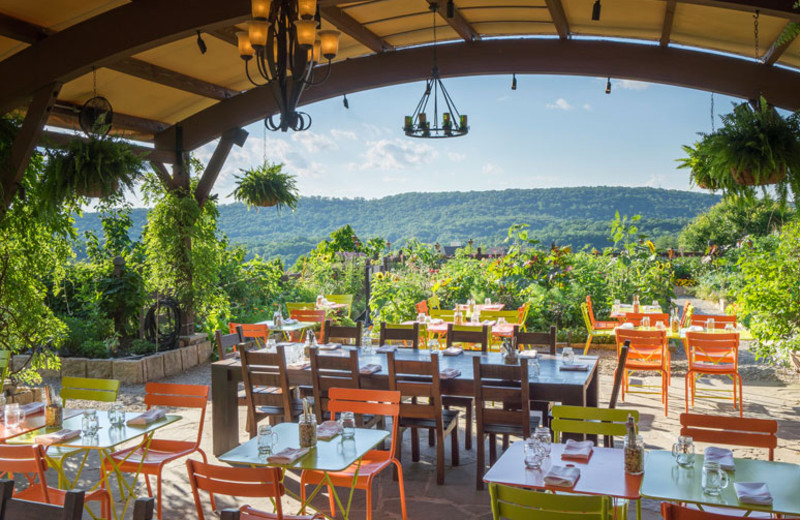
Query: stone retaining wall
[(193, 350)]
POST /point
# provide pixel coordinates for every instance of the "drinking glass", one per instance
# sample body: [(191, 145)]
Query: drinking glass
[(348, 422), (710, 324), (487, 301), (543, 434), (660, 325), (533, 368), (116, 414), (714, 479), (14, 415), (646, 322), (683, 451), (89, 423), (476, 316), (266, 439), (366, 343), (2, 404), (655, 304), (567, 355), (501, 321), (272, 346), (729, 327), (421, 317), (534, 453)]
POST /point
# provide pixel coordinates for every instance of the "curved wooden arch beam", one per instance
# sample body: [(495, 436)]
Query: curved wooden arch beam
[(109, 37), (651, 63)]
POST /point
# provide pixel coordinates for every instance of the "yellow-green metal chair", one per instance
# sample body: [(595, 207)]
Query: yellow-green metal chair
[(5, 363), (591, 329), (513, 503), (346, 299), (83, 389), (433, 302), (589, 420), (295, 306)]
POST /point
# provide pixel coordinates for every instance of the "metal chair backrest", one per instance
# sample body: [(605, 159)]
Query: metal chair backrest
[(422, 307), (342, 333), (513, 503), (251, 331), (15, 509), (654, 317), (405, 333), (528, 339), (589, 420), (476, 335), (643, 345), (308, 315), (89, 389), (507, 384), (173, 395), (713, 348), (383, 403), (734, 431), (234, 482), (720, 320)]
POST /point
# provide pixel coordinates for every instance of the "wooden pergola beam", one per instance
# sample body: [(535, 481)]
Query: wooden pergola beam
[(779, 8), (669, 18), (559, 18), (348, 25), (108, 38), (170, 78), (65, 113), (777, 48), (234, 136), (459, 24), (226, 34), (50, 139), (672, 66), (25, 141), (21, 30)]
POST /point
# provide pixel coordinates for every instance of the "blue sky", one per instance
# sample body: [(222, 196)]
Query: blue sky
[(552, 131)]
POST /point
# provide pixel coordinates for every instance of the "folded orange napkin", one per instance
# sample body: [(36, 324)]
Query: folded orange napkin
[(386, 348), (287, 455), (370, 369), (449, 373), (32, 408), (57, 437), (580, 450), (299, 366), (328, 430), (328, 346), (150, 416), (453, 351)]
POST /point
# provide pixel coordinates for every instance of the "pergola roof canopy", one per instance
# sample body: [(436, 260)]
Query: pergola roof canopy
[(149, 66)]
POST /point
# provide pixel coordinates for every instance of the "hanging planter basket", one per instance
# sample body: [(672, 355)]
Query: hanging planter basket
[(266, 186), (98, 190), (746, 177)]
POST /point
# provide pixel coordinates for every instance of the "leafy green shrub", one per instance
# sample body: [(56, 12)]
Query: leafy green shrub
[(142, 347), (87, 336)]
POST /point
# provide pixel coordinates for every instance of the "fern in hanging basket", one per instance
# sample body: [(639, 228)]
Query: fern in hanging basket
[(266, 186), (698, 161), (92, 167)]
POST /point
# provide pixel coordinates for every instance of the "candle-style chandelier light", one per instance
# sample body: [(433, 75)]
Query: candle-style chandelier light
[(452, 123), (284, 39)]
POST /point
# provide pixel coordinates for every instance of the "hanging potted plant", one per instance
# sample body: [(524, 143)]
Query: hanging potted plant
[(698, 161), (92, 167), (266, 186)]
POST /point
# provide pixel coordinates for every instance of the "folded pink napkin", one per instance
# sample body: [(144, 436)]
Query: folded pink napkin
[(580, 450), (57, 437), (436, 321), (150, 416), (299, 366), (562, 476), (449, 373), (722, 455), (287, 455), (32, 408), (328, 346), (370, 369), (528, 353), (753, 493), (574, 367), (453, 351), (386, 348), (328, 430)]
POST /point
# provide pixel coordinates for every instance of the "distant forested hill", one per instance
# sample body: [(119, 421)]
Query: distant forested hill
[(567, 216)]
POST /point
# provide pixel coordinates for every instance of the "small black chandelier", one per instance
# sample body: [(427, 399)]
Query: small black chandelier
[(284, 40), (452, 123)]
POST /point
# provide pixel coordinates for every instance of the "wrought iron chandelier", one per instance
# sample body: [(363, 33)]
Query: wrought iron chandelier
[(452, 123), (284, 39)]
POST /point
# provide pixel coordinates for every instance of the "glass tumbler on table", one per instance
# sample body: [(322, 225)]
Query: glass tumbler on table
[(89, 423), (646, 322), (534, 453), (710, 324), (567, 355), (267, 438), (116, 414), (714, 479), (14, 415), (683, 451), (542, 433), (348, 422)]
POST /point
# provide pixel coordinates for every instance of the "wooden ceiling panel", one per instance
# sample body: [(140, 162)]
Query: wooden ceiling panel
[(9, 47), (386, 9), (515, 28), (723, 30), (791, 57), (57, 15), (390, 27), (502, 14), (618, 18), (443, 34), (135, 97), (467, 4)]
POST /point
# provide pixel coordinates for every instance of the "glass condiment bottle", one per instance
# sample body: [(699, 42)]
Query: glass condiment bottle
[(636, 307), (675, 322), (633, 449), (307, 429)]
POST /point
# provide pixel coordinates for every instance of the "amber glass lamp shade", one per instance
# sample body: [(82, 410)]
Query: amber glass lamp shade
[(329, 43)]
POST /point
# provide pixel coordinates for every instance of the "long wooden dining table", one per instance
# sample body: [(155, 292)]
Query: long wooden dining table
[(552, 384)]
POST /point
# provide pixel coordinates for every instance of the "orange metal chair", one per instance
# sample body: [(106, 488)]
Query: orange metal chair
[(733, 431), (308, 315), (422, 307), (250, 331), (367, 402), (720, 320), (240, 482), (598, 325), (30, 461), (163, 451), (647, 352), (670, 511), (713, 353), (637, 317)]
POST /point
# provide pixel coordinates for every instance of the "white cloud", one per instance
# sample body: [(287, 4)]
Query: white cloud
[(587, 107), (399, 154), (629, 84), (655, 181), (491, 169), (560, 104), (314, 143), (343, 134), (456, 157)]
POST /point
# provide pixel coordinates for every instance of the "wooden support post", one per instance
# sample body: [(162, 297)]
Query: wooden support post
[(233, 136), (27, 137)]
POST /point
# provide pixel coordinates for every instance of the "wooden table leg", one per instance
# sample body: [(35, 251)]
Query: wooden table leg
[(224, 408)]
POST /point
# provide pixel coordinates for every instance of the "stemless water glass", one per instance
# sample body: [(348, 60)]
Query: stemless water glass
[(487, 301), (646, 322), (714, 479), (266, 439), (14, 415), (567, 355), (421, 317), (272, 345), (534, 453), (710, 324), (533, 368), (89, 423), (116, 414), (348, 422), (683, 451), (660, 325), (366, 343), (655, 304), (543, 434)]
